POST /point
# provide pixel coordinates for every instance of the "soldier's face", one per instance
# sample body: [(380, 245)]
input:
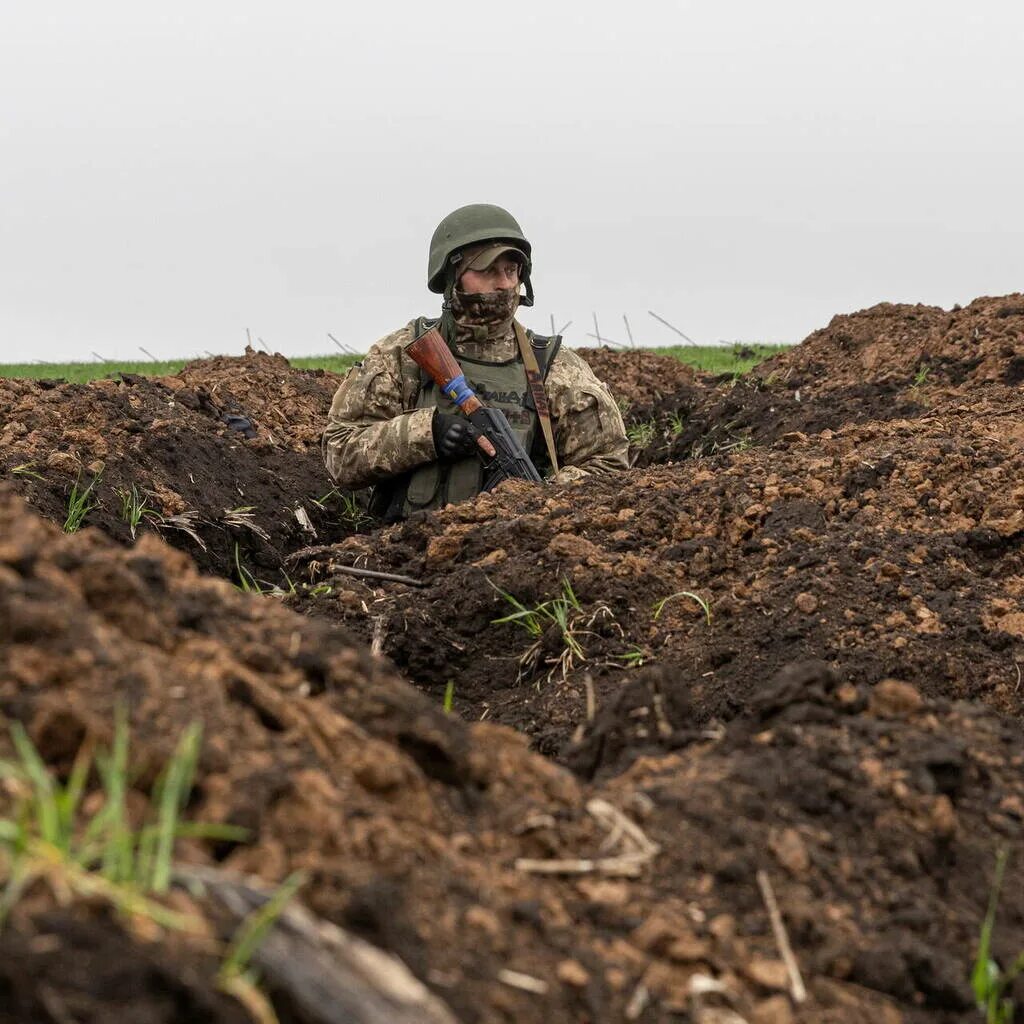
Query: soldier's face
[(502, 273)]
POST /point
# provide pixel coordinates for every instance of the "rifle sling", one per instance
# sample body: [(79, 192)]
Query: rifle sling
[(540, 398)]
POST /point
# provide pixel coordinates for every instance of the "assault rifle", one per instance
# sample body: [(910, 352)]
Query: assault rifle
[(500, 450)]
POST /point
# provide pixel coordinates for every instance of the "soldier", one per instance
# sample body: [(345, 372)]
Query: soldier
[(391, 429)]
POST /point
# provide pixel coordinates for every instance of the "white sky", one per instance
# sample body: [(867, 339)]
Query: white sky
[(173, 174)]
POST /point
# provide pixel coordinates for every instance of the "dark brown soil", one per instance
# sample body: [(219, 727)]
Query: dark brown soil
[(639, 379), (975, 344), (795, 645), (65, 964), (877, 812), (889, 550), (168, 438)]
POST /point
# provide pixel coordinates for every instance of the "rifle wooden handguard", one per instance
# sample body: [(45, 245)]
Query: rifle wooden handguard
[(431, 354)]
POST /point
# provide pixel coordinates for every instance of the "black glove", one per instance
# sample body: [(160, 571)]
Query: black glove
[(454, 436)]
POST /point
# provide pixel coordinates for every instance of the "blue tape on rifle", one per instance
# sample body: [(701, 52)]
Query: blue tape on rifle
[(458, 390)]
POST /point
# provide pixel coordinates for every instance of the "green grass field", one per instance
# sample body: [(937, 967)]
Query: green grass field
[(710, 358)]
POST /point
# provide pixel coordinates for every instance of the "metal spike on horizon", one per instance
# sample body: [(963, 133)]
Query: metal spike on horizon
[(565, 327), (625, 320), (344, 348), (671, 327), (100, 358), (597, 330), (146, 352), (264, 344)]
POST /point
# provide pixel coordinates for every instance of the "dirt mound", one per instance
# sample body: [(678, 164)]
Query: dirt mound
[(288, 405), (639, 379), (204, 485), (894, 342), (405, 820), (411, 823), (885, 363), (716, 418), (861, 810), (888, 549), (874, 812)]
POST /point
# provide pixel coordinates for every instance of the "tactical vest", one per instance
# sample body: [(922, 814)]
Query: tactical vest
[(501, 385)]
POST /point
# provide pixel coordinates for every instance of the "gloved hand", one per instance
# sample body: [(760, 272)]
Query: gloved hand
[(454, 436)]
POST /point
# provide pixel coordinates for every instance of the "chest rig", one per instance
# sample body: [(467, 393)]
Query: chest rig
[(503, 385)]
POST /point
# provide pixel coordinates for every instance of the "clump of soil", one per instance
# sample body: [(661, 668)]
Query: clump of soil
[(875, 811), (888, 362), (230, 498), (639, 379), (59, 963), (982, 342), (289, 405)]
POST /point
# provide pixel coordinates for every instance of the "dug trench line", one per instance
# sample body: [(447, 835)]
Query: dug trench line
[(799, 654)]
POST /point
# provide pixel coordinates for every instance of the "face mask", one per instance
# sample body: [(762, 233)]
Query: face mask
[(485, 309)]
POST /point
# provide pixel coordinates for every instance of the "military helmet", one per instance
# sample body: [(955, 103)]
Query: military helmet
[(468, 225)]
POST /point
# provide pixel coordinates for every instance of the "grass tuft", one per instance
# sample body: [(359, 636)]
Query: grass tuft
[(100, 853), (641, 434), (254, 928), (134, 509), (988, 980), (81, 501), (26, 469), (565, 612)]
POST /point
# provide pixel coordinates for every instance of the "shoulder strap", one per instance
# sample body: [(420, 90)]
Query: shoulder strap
[(540, 398)]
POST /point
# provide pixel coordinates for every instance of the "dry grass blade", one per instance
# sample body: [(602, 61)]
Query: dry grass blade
[(187, 523), (523, 982), (796, 981), (244, 517), (635, 852)]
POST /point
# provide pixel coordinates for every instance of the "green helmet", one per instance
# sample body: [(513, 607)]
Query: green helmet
[(469, 225)]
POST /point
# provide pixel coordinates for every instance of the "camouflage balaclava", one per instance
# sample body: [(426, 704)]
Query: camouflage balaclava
[(484, 316)]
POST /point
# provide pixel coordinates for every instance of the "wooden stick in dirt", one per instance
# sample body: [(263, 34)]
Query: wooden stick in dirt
[(796, 982), (390, 577), (330, 975), (321, 550)]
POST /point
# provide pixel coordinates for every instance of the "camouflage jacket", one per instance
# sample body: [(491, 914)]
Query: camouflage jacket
[(375, 432)]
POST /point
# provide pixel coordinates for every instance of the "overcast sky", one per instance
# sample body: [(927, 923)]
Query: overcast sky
[(173, 174)]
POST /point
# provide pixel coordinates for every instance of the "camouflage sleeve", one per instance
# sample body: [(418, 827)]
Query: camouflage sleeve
[(372, 432), (588, 427)]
